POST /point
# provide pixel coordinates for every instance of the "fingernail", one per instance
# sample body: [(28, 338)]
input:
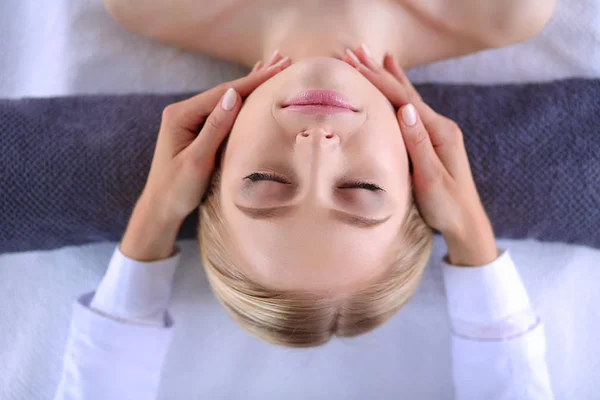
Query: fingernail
[(257, 66), (352, 56), (366, 50), (409, 115), (229, 99), (279, 63), (275, 53)]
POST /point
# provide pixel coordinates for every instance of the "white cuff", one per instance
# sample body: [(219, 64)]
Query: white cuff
[(134, 291), (486, 294), (508, 369)]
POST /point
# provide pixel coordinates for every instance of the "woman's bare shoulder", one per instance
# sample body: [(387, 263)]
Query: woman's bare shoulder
[(494, 23), (453, 28), (161, 19), (205, 26)]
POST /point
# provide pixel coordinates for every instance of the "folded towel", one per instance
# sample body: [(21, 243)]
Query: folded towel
[(71, 168)]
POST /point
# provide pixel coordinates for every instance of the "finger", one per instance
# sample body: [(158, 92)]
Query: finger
[(274, 59), (217, 126), (447, 140), (393, 67), (391, 64), (192, 112), (353, 60), (395, 92), (346, 58), (282, 64), (364, 55), (246, 85), (420, 149), (257, 66), (436, 124)]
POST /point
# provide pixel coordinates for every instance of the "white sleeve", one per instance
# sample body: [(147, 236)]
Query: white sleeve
[(120, 336), (498, 343), (135, 291)]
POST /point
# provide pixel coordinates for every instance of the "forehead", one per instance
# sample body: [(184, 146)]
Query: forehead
[(300, 253)]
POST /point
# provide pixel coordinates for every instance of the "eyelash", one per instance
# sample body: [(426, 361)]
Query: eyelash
[(260, 176), (361, 185)]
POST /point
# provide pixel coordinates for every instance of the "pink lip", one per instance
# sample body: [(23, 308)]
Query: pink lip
[(319, 102)]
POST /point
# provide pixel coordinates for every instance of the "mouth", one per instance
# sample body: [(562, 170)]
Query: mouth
[(319, 102)]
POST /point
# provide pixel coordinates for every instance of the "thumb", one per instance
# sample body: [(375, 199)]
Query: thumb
[(418, 143)]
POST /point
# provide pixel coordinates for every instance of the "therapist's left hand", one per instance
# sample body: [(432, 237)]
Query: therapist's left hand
[(190, 135)]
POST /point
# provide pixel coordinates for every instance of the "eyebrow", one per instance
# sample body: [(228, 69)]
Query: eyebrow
[(358, 221)]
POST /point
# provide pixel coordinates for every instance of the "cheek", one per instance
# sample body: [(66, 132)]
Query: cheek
[(361, 200), (387, 149), (249, 134), (265, 194), (395, 155), (387, 137)]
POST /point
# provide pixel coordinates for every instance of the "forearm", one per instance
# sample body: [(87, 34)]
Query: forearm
[(149, 236), (137, 284), (493, 322)]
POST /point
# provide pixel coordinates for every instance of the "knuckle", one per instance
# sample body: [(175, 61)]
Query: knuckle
[(414, 96), (213, 123), (454, 132), (170, 112), (420, 136), (438, 172), (199, 164), (222, 87)]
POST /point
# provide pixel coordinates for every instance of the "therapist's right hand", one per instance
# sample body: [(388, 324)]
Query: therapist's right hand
[(444, 188), (190, 135), (189, 138)]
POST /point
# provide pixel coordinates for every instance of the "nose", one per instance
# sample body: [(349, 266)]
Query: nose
[(318, 156), (318, 137)]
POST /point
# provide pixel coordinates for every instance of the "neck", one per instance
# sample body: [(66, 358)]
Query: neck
[(328, 34)]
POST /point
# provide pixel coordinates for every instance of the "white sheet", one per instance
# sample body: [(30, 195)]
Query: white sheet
[(408, 357), (71, 46)]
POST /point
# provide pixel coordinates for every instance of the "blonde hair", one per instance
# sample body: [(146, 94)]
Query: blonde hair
[(303, 319)]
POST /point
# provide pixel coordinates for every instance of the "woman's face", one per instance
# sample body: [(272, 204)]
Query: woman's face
[(313, 196)]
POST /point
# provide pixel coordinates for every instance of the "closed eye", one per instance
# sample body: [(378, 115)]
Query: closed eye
[(361, 185), (261, 176)]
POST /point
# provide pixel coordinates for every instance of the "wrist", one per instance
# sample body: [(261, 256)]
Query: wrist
[(472, 244), (150, 234), (152, 209)]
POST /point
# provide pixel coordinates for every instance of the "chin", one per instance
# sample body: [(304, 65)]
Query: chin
[(321, 73)]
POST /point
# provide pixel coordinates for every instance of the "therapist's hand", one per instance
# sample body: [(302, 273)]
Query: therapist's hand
[(444, 188), (190, 135)]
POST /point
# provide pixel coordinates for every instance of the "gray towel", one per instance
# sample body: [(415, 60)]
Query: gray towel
[(71, 168)]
